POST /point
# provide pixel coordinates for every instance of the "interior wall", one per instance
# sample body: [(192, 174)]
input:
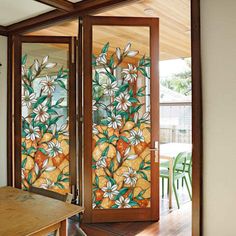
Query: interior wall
[(218, 20), (3, 110)]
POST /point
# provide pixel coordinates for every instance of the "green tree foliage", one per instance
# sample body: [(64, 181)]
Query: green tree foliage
[(180, 82)]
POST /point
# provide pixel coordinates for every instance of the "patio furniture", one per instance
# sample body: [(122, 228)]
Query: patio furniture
[(24, 213), (188, 168), (168, 152), (178, 173)]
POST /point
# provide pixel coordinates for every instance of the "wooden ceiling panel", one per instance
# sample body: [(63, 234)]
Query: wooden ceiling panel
[(174, 15)]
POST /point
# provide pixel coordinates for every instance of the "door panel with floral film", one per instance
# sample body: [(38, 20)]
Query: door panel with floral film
[(122, 129), (45, 128)]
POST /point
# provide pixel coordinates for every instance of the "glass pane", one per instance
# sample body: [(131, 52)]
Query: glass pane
[(45, 128), (121, 117)]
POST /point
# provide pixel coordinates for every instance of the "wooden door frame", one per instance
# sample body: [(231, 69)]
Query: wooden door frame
[(141, 214), (16, 100), (197, 136)]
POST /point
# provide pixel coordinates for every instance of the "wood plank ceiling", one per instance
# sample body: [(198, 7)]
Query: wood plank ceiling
[(175, 38)]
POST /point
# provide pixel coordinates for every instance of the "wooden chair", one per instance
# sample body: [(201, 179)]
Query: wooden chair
[(64, 198)]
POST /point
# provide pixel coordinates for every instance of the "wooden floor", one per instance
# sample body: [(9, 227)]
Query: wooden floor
[(172, 223), (176, 223)]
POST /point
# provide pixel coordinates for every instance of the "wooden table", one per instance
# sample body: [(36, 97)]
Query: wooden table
[(23, 213), (168, 152)]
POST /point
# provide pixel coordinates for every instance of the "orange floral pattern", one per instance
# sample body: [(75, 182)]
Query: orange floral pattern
[(121, 130)]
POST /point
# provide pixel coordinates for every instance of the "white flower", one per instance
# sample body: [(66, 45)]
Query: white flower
[(47, 185), (28, 99), (48, 85), (32, 132), (54, 149), (127, 47), (22, 173), (110, 191), (41, 113), (110, 107), (136, 137), (109, 87), (101, 163), (123, 203), (146, 117), (95, 130), (123, 102), (95, 108), (101, 59), (128, 52), (130, 177), (114, 121), (64, 129), (130, 74), (127, 155), (118, 53), (94, 205)]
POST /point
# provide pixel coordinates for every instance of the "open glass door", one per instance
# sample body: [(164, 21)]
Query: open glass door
[(121, 119), (45, 113)]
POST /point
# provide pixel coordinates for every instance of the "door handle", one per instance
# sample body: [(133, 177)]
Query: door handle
[(155, 149)]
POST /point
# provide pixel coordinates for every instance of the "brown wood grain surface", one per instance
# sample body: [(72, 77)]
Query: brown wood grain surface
[(23, 213)]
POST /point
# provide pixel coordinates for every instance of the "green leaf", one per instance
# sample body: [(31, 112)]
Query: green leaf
[(143, 71), (65, 180), (113, 138), (105, 48), (111, 76), (111, 180), (93, 60), (29, 179), (141, 89), (52, 112), (141, 165), (59, 177), (121, 193), (104, 153), (43, 151), (60, 101), (133, 203), (111, 167), (54, 120), (40, 100), (143, 174), (124, 115), (104, 122), (23, 163), (123, 87), (29, 73), (24, 59), (30, 150), (97, 180), (61, 84), (133, 100), (111, 63), (27, 87), (60, 185), (147, 168), (101, 141), (114, 206), (124, 139)]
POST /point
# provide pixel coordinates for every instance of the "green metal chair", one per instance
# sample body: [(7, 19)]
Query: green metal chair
[(178, 173), (188, 168)]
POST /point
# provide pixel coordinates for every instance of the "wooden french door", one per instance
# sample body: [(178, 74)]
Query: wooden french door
[(44, 113), (121, 119)]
